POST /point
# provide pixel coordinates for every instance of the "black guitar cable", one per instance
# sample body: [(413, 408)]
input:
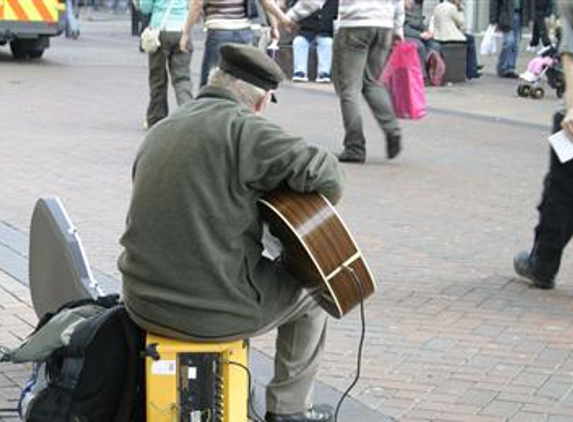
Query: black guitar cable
[(251, 390), (361, 342)]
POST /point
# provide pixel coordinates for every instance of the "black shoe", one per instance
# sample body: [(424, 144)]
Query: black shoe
[(316, 414), (393, 145), (525, 267), (347, 157), (512, 74)]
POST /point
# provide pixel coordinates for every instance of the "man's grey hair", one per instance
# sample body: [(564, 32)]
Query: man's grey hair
[(248, 94)]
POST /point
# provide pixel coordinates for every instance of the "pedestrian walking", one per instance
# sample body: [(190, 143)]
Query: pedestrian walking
[(509, 16), (171, 59), (555, 226), (361, 46)]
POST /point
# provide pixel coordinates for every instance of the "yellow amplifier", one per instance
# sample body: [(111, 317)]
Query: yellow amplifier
[(196, 382)]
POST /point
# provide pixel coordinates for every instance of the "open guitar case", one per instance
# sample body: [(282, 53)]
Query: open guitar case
[(59, 271)]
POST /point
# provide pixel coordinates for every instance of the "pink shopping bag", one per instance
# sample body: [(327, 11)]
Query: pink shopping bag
[(403, 78)]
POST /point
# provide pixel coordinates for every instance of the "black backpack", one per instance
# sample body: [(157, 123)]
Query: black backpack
[(95, 377)]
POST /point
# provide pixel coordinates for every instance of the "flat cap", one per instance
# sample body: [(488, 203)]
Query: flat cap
[(251, 65)]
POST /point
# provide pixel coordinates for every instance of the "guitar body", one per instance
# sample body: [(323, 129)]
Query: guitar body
[(318, 249)]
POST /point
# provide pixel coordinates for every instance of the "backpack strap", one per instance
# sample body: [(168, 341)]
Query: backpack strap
[(133, 340)]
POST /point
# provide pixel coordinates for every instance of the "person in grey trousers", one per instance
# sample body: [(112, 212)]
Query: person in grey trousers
[(361, 46)]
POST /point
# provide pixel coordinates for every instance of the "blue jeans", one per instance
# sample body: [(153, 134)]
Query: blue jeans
[(216, 37), (72, 26), (471, 57), (510, 47), (300, 47)]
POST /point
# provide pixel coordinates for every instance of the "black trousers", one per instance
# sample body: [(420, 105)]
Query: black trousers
[(555, 227)]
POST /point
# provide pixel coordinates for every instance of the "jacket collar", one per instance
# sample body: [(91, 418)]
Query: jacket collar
[(216, 92)]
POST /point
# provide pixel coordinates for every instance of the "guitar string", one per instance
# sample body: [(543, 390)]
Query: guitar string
[(361, 342)]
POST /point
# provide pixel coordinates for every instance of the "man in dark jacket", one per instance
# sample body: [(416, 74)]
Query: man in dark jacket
[(509, 16), (555, 227), (192, 265)]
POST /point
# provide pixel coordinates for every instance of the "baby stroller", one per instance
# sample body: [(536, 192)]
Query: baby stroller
[(547, 64)]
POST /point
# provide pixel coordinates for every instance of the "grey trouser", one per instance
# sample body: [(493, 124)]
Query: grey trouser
[(299, 346), (359, 55), (167, 57)]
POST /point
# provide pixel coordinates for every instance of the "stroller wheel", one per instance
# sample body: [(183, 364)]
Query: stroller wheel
[(523, 90), (537, 93)]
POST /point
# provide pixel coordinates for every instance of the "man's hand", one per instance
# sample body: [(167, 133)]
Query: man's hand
[(567, 124), (275, 34), (398, 34), (287, 23), (426, 35), (185, 43)]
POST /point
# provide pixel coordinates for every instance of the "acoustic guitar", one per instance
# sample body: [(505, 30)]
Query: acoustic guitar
[(318, 249)]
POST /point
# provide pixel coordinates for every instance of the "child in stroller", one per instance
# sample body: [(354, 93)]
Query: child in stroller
[(548, 64)]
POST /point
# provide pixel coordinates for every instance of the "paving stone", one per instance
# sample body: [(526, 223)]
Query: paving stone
[(451, 327), (504, 409)]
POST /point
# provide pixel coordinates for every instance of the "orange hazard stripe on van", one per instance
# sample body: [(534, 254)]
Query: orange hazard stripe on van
[(17, 10), (30, 10), (43, 11)]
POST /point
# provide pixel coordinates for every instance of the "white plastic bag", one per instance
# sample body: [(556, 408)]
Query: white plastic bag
[(150, 40), (489, 44)]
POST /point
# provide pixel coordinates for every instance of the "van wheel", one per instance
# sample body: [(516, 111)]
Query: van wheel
[(19, 49), (33, 49), (36, 54)]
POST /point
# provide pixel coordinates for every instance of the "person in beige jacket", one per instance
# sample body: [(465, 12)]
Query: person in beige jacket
[(448, 24)]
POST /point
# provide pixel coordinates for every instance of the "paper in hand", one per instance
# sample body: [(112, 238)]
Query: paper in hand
[(562, 146)]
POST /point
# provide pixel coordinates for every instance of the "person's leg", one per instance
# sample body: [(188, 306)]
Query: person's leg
[(158, 107), (509, 49), (502, 59), (215, 37), (544, 33), (299, 348), (242, 36), (350, 54), (376, 95), (324, 53), (179, 71), (536, 30), (471, 57), (555, 227), (300, 47), (514, 48)]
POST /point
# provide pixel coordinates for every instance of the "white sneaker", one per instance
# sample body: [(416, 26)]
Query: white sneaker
[(323, 78), (299, 77)]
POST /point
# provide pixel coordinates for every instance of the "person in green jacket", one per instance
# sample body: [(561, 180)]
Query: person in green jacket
[(193, 264)]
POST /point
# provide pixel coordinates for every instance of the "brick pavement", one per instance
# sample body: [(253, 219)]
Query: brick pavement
[(452, 335)]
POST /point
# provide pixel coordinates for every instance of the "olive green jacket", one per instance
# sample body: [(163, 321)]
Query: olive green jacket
[(192, 261)]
